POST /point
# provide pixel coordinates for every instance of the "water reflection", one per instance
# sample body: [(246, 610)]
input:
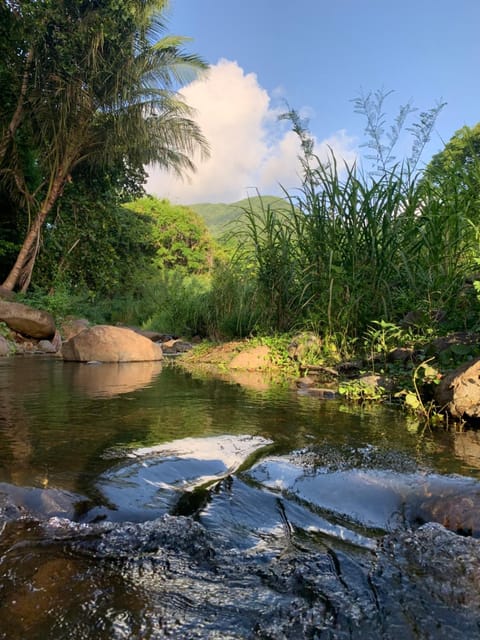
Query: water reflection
[(28, 502), (202, 477), (374, 499), (467, 447), (106, 380), (161, 477)]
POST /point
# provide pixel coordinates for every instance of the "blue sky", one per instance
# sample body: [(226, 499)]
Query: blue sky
[(317, 56)]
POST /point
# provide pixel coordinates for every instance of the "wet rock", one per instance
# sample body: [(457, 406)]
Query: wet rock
[(46, 346), (26, 320), (459, 391), (195, 587), (457, 513), (105, 343), (449, 566)]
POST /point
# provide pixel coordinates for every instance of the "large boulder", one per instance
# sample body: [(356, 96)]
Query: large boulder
[(105, 343), (459, 391), (26, 320)]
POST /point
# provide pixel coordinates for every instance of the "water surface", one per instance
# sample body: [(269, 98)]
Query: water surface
[(138, 501)]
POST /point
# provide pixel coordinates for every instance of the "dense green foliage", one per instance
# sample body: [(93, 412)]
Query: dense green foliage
[(179, 236), (459, 161), (122, 259), (94, 246), (86, 83)]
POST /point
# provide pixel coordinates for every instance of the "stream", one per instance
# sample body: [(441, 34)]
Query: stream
[(139, 501)]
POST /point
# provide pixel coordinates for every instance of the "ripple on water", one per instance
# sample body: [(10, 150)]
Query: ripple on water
[(225, 543)]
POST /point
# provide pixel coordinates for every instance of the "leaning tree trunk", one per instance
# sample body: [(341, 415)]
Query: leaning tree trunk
[(21, 272), (25, 276)]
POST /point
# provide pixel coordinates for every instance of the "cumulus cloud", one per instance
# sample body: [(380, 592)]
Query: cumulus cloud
[(249, 148)]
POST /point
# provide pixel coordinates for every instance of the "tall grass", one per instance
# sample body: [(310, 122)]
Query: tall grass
[(218, 305), (351, 248)]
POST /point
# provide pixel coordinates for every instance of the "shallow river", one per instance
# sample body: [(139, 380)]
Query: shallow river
[(137, 501)]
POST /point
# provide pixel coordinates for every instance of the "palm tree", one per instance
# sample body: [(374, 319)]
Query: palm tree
[(100, 90)]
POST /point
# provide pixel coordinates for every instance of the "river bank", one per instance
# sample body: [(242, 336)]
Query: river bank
[(436, 380)]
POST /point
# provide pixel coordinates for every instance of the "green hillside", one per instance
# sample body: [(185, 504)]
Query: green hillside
[(219, 217)]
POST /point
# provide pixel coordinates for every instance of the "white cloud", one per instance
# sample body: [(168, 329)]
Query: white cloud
[(341, 145), (249, 147)]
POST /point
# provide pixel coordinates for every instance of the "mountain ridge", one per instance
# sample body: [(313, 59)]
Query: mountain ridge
[(219, 216)]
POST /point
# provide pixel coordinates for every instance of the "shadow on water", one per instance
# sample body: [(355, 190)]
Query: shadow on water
[(140, 502)]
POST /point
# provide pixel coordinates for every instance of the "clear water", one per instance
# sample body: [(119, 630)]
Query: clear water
[(137, 501)]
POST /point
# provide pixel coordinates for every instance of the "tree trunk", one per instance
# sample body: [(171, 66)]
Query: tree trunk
[(21, 272)]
